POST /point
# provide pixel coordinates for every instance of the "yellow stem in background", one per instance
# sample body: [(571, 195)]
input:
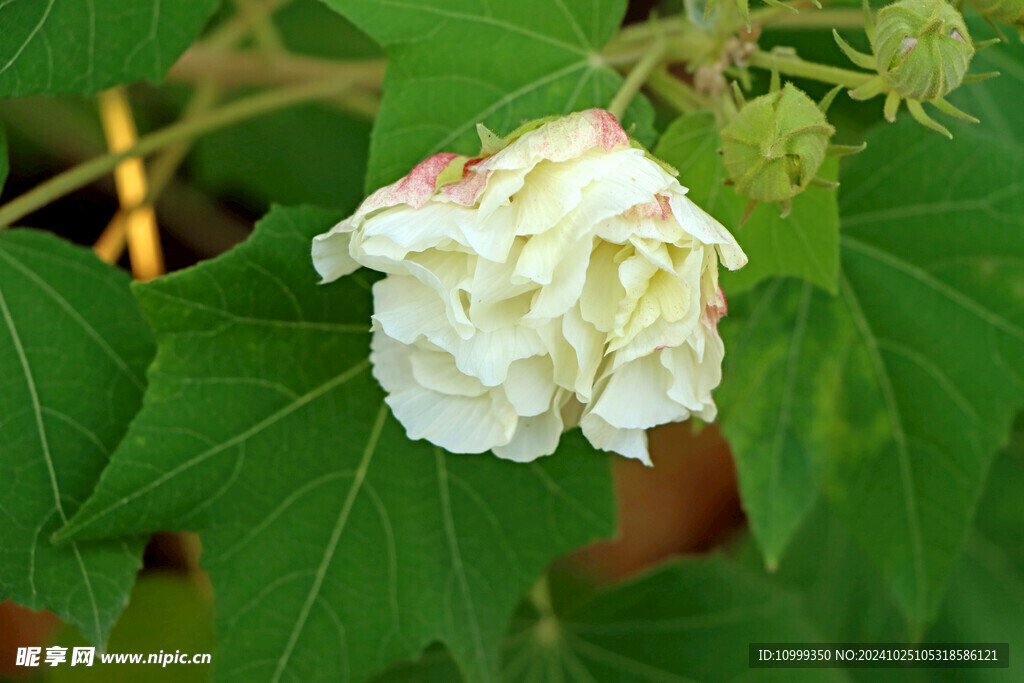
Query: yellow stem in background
[(138, 226), (112, 241)]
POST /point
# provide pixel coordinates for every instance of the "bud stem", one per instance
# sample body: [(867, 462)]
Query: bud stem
[(676, 93), (791, 65), (636, 78)]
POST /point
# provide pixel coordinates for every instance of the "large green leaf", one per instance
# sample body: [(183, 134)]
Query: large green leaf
[(688, 620), (73, 348), (315, 154), (804, 245), (784, 346), (927, 365), (985, 602), (83, 46), (335, 545), (454, 65)]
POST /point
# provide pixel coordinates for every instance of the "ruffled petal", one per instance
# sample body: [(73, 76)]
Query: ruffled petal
[(631, 443), (460, 424), (535, 437), (529, 387), (701, 225), (635, 396), (331, 257)]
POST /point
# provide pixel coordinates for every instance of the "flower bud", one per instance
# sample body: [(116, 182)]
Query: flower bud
[(775, 145), (922, 48)]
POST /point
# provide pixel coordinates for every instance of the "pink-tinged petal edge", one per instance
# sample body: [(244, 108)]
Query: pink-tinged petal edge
[(467, 191), (715, 310), (561, 140), (659, 209), (415, 189)]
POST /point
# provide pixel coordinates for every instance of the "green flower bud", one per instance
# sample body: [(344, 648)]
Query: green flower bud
[(775, 145), (922, 48)]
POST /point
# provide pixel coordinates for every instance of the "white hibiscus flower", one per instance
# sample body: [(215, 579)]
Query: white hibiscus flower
[(563, 278)]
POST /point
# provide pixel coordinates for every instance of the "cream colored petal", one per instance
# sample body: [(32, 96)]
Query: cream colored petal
[(566, 287), (635, 396), (501, 185), (391, 364), (631, 443), (460, 424), (534, 437), (418, 229), (449, 274), (698, 223), (436, 370), (529, 386), (408, 310), (331, 257), (693, 379), (588, 345), (488, 355), (621, 228), (496, 299), (602, 290)]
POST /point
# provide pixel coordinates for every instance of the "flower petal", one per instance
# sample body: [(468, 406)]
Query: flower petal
[(460, 424), (415, 189), (701, 225), (534, 437), (331, 257), (631, 443), (529, 387)]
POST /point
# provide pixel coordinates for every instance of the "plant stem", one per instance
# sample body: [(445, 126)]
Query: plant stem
[(775, 18), (87, 172), (676, 93), (232, 69), (636, 78), (791, 65), (239, 25)]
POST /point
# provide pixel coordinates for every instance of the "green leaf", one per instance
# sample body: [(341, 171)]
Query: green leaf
[(934, 284), (804, 245), (73, 348), (777, 394), (496, 63), (986, 597), (56, 46), (688, 620), (335, 545), (317, 155), (928, 339)]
